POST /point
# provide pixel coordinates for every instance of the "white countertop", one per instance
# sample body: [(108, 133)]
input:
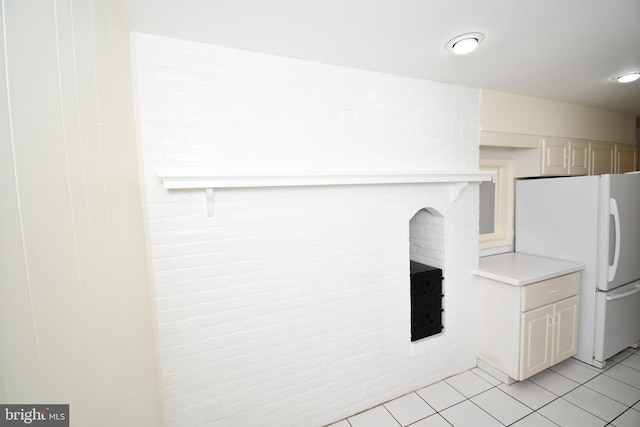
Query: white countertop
[(520, 269)]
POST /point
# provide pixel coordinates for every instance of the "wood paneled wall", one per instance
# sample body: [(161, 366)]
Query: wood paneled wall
[(76, 311)]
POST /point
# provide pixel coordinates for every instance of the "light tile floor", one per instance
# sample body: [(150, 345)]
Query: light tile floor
[(570, 394)]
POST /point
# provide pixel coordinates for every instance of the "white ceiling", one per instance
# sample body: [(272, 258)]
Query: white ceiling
[(566, 50)]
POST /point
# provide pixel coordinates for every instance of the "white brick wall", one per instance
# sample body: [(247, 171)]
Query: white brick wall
[(426, 238), (290, 306)]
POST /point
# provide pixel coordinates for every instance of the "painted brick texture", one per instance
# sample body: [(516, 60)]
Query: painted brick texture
[(290, 306)]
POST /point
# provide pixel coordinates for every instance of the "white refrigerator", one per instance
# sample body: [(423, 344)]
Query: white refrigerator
[(594, 220)]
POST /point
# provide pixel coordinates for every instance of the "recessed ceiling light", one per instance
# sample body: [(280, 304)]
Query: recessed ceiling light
[(464, 43), (628, 77)]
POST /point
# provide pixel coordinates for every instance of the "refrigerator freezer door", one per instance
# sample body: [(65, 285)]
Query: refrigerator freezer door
[(617, 321), (620, 227)]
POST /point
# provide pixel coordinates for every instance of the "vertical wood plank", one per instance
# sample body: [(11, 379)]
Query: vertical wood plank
[(102, 351), (42, 180), (124, 194), (90, 376), (21, 378), (73, 217)]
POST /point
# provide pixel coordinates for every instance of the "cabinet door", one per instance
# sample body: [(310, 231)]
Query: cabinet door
[(555, 155), (565, 331), (602, 159), (626, 159), (578, 158), (536, 339)]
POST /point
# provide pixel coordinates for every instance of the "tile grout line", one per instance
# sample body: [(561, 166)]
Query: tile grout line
[(624, 412), (393, 416), (583, 384), (466, 398), (436, 411), (478, 394), (579, 384), (573, 389)]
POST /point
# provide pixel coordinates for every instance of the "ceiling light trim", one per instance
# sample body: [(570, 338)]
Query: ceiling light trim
[(479, 37), (627, 77)]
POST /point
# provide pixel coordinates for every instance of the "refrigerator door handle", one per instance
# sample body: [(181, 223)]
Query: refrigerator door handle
[(613, 208), (624, 295)]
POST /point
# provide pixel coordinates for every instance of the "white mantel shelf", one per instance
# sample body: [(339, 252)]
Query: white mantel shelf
[(185, 181), (217, 182)]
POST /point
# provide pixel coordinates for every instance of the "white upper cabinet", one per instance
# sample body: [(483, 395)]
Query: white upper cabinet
[(602, 159), (626, 158), (564, 157), (578, 158)]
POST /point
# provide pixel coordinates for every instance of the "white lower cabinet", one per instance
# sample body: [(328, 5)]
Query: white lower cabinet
[(526, 329), (549, 336)]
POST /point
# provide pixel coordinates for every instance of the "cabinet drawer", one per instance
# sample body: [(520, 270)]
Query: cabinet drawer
[(549, 291)]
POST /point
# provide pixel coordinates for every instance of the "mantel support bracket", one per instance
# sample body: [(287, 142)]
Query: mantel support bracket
[(455, 189)]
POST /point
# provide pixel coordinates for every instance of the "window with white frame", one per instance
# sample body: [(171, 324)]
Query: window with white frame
[(496, 208)]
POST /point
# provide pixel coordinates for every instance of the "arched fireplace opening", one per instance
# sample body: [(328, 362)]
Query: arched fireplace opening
[(426, 253)]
